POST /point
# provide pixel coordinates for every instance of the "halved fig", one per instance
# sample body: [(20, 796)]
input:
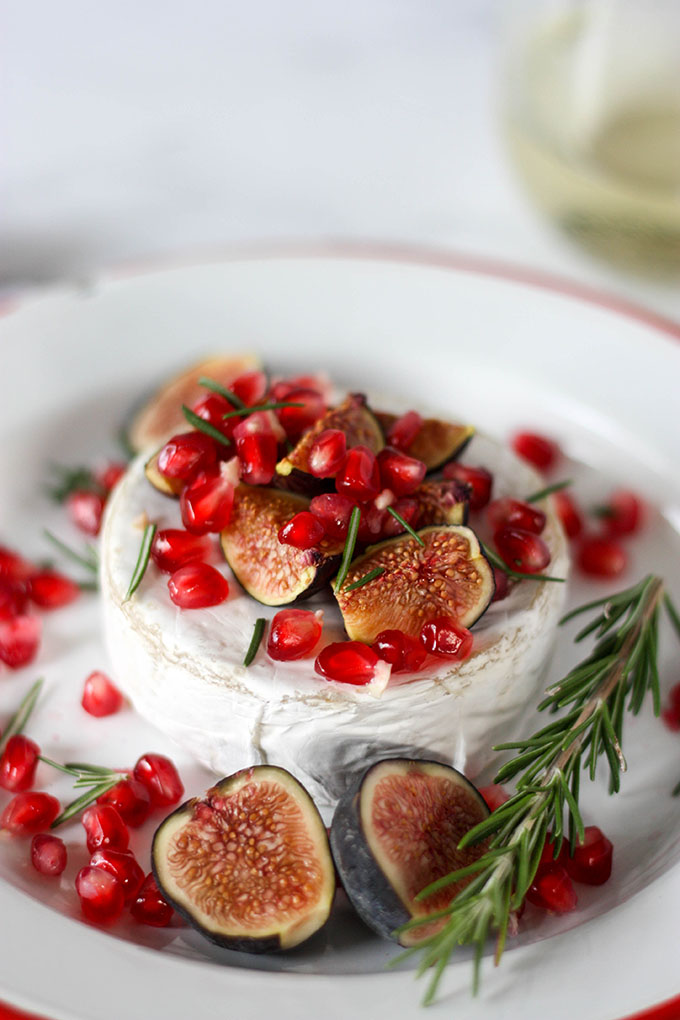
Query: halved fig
[(168, 486), (444, 502), (352, 417), (248, 864), (436, 443), (446, 576), (272, 572), (396, 831), (161, 414)]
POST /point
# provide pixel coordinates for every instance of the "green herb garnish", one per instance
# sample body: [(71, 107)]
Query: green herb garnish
[(258, 631), (496, 561), (412, 533), (68, 480), (222, 391), (350, 543), (95, 778), (21, 716), (142, 560), (548, 491), (370, 576), (88, 559), (204, 426), (274, 406)]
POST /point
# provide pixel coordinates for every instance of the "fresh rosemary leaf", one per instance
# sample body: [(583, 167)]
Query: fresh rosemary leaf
[(89, 559), (21, 716), (70, 479), (274, 406), (370, 576), (548, 491), (676, 790), (85, 799), (204, 426), (222, 391), (673, 614), (414, 534), (258, 631), (496, 561), (350, 544), (142, 560)]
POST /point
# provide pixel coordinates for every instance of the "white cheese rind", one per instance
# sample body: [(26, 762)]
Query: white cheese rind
[(183, 668)]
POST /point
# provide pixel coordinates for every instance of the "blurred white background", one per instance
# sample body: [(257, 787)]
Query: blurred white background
[(151, 127)]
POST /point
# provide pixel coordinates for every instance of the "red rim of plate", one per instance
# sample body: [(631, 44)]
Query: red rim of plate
[(374, 251)]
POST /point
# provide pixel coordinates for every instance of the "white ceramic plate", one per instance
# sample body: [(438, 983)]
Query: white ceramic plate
[(503, 353)]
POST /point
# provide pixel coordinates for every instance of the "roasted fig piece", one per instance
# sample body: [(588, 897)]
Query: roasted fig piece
[(161, 414), (168, 486), (248, 864), (446, 576), (436, 443), (396, 831), (444, 502), (273, 573)]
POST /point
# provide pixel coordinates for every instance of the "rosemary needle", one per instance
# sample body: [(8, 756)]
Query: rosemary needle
[(142, 560), (258, 631)]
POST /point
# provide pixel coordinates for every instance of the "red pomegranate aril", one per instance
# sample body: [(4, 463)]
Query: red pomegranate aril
[(51, 590), (14, 567), (212, 409), (514, 513), (251, 387), (334, 512), (100, 893), (29, 812), (592, 860), (104, 828), (186, 454), (130, 799), (197, 585), (602, 557), (548, 853), (569, 514), (552, 890), (671, 713), (404, 430), (19, 640), (85, 509), (479, 480), (502, 583), (444, 636), (123, 866), (494, 795), (13, 598), (149, 907), (407, 510), (400, 473), (348, 662), (257, 451), (327, 454), (110, 474), (172, 548), (371, 523), (206, 502), (293, 634), (623, 514), (48, 854), (296, 420), (303, 531), (538, 450), (402, 651), (359, 477), (100, 696), (522, 550), (160, 777), (18, 763)]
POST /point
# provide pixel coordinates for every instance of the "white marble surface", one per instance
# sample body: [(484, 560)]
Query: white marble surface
[(139, 129)]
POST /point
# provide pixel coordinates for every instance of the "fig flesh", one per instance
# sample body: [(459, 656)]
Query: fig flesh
[(168, 486), (436, 442), (272, 572), (444, 502), (396, 831), (248, 864), (446, 576)]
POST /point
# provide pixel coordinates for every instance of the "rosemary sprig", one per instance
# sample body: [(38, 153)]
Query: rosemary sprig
[(95, 779), (258, 631), (221, 391), (21, 716), (548, 491), (89, 559), (617, 677), (370, 576), (274, 405), (350, 545), (496, 561), (68, 480), (204, 426), (414, 534), (142, 560)]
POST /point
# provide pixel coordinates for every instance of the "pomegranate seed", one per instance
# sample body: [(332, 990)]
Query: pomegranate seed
[(514, 513), (623, 514), (257, 448), (334, 512), (123, 866), (348, 662), (18, 763), (186, 454), (160, 777), (28, 813), (19, 640), (602, 557), (400, 473), (173, 548), (319, 382), (494, 795), (402, 652), (294, 633), (295, 420), (206, 502), (197, 585), (568, 513), (592, 860), (130, 799), (14, 567), (250, 387), (502, 583), (101, 895), (406, 508), (552, 889), (479, 480), (671, 713), (48, 854), (85, 508), (13, 598), (327, 454), (100, 696), (540, 451), (212, 408), (359, 477), (150, 907), (51, 590), (104, 829), (371, 523), (110, 474), (443, 636), (303, 531), (404, 430), (522, 550)]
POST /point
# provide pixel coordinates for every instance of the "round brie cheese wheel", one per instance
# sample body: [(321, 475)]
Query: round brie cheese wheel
[(183, 669)]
